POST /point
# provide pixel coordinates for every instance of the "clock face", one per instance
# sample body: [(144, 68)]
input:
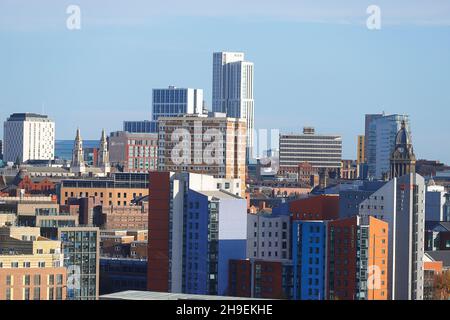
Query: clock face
[(401, 149)]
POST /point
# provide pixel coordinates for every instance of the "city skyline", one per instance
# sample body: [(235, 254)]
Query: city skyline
[(330, 65)]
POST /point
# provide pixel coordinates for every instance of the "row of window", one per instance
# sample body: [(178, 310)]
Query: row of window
[(26, 293), (26, 279), (25, 264)]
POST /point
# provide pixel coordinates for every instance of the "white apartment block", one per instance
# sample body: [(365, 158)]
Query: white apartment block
[(28, 136), (268, 237)]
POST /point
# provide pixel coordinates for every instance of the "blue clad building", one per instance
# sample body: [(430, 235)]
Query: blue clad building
[(309, 256), (216, 231)]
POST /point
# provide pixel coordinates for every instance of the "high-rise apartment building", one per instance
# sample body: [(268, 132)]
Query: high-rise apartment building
[(268, 236), (357, 259), (401, 203), (28, 136), (309, 259), (134, 152), (380, 142), (206, 145), (232, 91), (321, 151), (194, 229)]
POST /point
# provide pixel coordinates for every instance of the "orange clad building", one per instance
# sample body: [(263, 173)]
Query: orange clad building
[(357, 259)]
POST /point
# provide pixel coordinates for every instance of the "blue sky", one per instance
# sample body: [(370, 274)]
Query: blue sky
[(316, 63)]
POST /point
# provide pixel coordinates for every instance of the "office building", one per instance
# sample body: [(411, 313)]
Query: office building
[(380, 142), (31, 266), (232, 90), (357, 259), (194, 229), (81, 251), (134, 152), (172, 102), (144, 126), (321, 151), (28, 136), (118, 190), (206, 145)]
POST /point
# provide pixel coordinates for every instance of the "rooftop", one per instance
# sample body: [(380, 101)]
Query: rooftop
[(150, 295), (25, 116), (442, 255)]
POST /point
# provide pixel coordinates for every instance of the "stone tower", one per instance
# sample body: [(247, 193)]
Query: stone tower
[(403, 160), (77, 165)]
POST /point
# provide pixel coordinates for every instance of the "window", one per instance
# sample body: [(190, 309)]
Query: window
[(37, 279), (14, 264), (26, 293), (8, 294), (41, 264), (59, 293), (37, 293), (51, 279), (26, 264), (59, 279), (8, 280), (26, 280)]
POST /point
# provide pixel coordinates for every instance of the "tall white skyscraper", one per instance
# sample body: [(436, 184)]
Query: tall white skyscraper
[(380, 142), (28, 136), (233, 89)]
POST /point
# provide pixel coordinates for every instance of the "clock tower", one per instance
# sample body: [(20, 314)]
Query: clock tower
[(403, 160)]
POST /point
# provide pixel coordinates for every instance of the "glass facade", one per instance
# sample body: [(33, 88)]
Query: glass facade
[(80, 257)]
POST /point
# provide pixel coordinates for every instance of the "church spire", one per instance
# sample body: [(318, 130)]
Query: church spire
[(103, 154), (77, 164)]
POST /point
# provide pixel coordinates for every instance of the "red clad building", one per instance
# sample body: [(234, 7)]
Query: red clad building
[(158, 232), (357, 259), (321, 207), (259, 279)]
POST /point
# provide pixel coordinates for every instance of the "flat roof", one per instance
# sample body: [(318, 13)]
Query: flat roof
[(221, 194), (151, 295)]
